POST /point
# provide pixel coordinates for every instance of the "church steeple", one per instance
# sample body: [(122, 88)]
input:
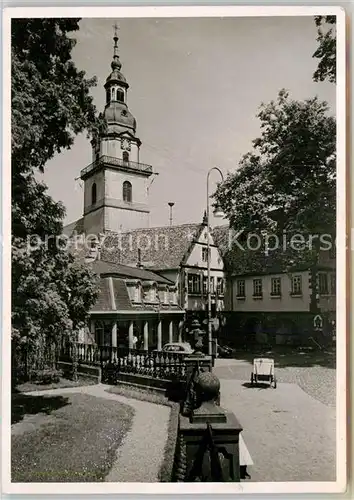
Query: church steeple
[(117, 115), (116, 182)]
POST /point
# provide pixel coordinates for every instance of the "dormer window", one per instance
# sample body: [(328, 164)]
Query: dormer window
[(127, 191), (152, 294), (163, 294), (93, 193), (150, 291), (137, 293), (173, 296)]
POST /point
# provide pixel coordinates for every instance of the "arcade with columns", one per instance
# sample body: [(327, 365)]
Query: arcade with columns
[(142, 330)]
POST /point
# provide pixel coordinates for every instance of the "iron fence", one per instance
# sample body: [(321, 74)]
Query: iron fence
[(115, 360)]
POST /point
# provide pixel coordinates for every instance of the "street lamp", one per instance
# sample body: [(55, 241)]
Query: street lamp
[(219, 214)]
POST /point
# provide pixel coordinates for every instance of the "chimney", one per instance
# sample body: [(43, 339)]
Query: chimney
[(171, 204), (139, 264)]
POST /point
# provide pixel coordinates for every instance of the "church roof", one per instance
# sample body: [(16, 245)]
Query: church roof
[(161, 248)]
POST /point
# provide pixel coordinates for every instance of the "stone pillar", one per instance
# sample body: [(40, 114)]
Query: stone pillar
[(92, 339), (180, 327), (114, 334), (170, 332), (208, 426), (146, 335), (131, 334), (159, 336)]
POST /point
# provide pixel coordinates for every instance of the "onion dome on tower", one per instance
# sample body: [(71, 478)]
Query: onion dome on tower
[(117, 115)]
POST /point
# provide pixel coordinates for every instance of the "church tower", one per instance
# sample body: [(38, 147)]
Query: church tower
[(116, 182)]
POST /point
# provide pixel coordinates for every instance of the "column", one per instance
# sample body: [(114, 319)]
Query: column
[(146, 335), (159, 336), (92, 339), (131, 334), (180, 327), (114, 334), (170, 332)]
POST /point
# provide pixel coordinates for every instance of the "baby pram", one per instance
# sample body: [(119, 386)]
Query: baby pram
[(263, 370)]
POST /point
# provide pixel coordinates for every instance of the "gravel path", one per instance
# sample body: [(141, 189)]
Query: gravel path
[(140, 456)]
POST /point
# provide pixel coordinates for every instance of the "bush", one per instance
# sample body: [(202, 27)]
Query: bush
[(48, 376)]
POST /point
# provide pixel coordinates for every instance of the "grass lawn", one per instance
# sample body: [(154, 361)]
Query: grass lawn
[(71, 438)]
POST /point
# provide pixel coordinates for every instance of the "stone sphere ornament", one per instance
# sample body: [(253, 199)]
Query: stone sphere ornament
[(207, 386)]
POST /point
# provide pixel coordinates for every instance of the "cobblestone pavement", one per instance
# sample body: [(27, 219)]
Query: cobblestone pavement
[(290, 435), (318, 382)]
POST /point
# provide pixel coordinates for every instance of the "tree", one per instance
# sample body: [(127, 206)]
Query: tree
[(80, 288), (51, 104), (43, 273), (326, 50), (285, 186)]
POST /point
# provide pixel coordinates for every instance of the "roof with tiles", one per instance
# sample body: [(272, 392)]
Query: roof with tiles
[(121, 295), (161, 248), (74, 227), (103, 302)]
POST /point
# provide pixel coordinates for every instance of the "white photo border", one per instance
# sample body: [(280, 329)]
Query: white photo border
[(338, 486)]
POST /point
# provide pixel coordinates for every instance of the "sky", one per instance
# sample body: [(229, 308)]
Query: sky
[(196, 85)]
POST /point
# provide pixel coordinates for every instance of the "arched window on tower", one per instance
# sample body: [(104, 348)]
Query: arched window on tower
[(125, 156), (108, 96), (120, 95), (93, 193), (127, 191), (113, 94)]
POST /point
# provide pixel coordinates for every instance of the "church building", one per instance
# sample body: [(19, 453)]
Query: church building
[(149, 277)]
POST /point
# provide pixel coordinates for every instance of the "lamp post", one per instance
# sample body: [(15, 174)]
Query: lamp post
[(219, 214)]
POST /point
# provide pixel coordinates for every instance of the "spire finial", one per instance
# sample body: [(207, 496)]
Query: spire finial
[(116, 64), (116, 28)]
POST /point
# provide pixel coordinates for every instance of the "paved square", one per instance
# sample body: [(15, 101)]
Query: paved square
[(290, 435)]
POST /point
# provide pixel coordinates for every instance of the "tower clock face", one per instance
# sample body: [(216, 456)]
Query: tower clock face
[(125, 144)]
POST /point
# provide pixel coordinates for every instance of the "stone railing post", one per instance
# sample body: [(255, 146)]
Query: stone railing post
[(208, 436), (195, 364)]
